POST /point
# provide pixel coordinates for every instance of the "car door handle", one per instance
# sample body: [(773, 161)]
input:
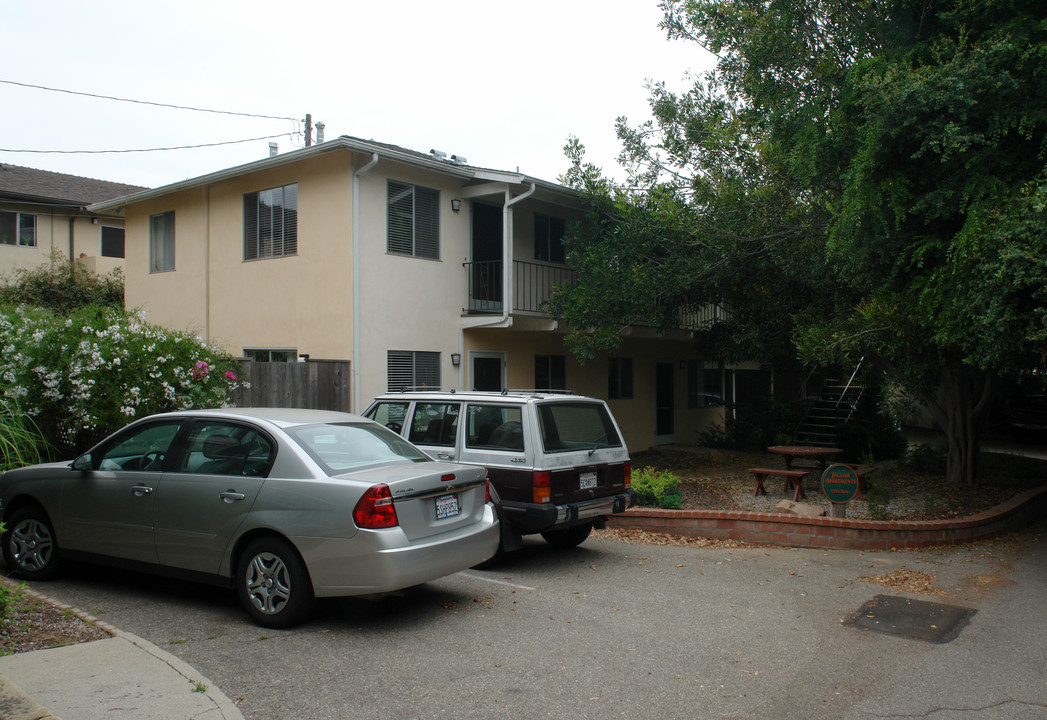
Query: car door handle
[(141, 490), (444, 456), (231, 496)]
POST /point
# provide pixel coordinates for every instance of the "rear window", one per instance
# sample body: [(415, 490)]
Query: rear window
[(338, 447), (567, 426)]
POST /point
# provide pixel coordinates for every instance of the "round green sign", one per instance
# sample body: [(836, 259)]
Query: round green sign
[(839, 483)]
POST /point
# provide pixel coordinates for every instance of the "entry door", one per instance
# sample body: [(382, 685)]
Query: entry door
[(665, 405), (488, 371)]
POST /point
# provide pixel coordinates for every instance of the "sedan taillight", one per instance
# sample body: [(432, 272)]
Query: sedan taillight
[(375, 509)]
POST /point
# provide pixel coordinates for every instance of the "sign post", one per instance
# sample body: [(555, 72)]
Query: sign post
[(840, 485)]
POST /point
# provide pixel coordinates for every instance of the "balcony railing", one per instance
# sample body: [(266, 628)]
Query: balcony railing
[(533, 284)]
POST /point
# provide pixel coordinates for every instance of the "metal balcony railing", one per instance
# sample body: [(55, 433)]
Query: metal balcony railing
[(533, 284)]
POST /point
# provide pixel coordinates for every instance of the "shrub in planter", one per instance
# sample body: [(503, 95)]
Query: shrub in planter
[(656, 488)]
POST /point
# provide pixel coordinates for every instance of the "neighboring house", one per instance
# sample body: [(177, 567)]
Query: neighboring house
[(43, 211), (394, 260)]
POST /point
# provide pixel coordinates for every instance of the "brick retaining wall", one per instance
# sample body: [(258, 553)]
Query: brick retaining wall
[(837, 533)]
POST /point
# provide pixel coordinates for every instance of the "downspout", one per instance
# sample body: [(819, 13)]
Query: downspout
[(72, 245), (507, 272), (355, 240), (207, 265)]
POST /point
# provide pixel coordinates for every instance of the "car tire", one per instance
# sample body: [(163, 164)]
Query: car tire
[(273, 583), (568, 537), (30, 546)]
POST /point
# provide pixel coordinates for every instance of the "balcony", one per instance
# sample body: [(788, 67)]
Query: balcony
[(532, 285)]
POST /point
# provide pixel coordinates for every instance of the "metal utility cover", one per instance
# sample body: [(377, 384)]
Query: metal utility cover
[(912, 619)]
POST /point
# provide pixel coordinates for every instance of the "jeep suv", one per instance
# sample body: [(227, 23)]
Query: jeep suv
[(557, 462)]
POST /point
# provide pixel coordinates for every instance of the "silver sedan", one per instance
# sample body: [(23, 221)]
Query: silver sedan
[(283, 505)]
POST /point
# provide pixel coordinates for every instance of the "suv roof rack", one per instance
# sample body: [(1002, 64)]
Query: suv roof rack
[(504, 391)]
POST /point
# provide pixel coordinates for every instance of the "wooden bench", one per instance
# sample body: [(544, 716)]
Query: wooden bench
[(792, 477), (862, 471)]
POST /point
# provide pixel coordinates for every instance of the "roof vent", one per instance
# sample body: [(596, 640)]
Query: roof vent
[(273, 149), (458, 160), (438, 154)]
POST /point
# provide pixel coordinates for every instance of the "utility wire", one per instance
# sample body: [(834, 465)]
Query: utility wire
[(146, 102), (178, 147)]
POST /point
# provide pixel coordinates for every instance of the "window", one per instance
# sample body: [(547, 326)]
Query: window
[(435, 424), (162, 242), (17, 229), (620, 378), (112, 242), (548, 238), (703, 386), (550, 372), (143, 448), (410, 368), (267, 355), (221, 448), (495, 427), (271, 223), (413, 220), (392, 415)]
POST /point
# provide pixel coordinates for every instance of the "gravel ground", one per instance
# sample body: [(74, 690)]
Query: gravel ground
[(719, 479)]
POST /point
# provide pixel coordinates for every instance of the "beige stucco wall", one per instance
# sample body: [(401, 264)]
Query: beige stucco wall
[(409, 303), (636, 415), (301, 301), (52, 234)]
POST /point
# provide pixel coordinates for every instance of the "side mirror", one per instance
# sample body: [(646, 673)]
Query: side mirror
[(82, 463)]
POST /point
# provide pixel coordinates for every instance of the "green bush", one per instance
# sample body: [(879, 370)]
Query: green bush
[(86, 375), (63, 286), (656, 488)]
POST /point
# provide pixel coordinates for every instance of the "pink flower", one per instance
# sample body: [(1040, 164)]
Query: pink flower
[(200, 370), (230, 375)]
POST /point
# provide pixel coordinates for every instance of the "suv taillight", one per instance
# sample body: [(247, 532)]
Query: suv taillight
[(628, 471), (375, 509), (543, 491), (487, 486)]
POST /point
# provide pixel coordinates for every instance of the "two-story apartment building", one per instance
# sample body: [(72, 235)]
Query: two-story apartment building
[(42, 212), (416, 267)]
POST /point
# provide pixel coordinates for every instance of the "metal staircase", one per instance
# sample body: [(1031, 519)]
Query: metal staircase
[(831, 409)]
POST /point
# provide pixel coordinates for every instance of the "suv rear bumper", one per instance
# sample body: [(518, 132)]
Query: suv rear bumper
[(534, 518)]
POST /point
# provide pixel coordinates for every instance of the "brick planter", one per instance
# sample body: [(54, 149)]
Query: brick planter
[(837, 533)]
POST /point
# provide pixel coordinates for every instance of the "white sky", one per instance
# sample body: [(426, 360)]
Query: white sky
[(503, 84)]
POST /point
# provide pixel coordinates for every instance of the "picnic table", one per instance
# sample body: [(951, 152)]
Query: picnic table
[(822, 455)]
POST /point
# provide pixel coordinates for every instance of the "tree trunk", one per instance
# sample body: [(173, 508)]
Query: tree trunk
[(962, 408)]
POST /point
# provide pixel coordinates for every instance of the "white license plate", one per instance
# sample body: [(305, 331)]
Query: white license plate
[(587, 480), (446, 506)]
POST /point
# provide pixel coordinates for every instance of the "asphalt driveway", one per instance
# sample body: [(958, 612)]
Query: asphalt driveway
[(614, 630)]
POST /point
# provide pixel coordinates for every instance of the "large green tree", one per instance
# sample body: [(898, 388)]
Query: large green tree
[(856, 178)]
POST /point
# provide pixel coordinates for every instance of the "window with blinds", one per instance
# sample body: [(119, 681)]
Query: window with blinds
[(413, 215), (548, 238), (413, 368), (271, 223), (162, 242)]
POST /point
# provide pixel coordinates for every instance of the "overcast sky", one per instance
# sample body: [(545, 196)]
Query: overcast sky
[(503, 84)]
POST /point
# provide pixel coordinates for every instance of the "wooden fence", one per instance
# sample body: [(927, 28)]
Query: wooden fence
[(319, 384)]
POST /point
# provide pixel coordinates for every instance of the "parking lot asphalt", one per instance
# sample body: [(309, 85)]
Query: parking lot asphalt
[(616, 630)]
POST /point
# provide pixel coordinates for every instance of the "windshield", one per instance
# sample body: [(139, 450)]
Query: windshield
[(570, 426), (338, 447)]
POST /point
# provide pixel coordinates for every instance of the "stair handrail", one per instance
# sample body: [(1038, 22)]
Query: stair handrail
[(850, 380)]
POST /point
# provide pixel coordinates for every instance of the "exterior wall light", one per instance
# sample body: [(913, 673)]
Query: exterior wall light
[(456, 204), (456, 359)]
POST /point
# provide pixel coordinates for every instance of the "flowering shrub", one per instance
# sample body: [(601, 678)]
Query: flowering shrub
[(83, 376)]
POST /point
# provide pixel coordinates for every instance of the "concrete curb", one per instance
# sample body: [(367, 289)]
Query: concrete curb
[(173, 678), (837, 533)]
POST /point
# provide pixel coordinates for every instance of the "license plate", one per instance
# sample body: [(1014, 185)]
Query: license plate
[(446, 506), (587, 480)]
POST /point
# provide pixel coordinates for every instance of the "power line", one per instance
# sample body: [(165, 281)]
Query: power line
[(146, 102), (178, 147)]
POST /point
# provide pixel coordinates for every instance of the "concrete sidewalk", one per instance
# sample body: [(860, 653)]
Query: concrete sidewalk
[(121, 678)]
